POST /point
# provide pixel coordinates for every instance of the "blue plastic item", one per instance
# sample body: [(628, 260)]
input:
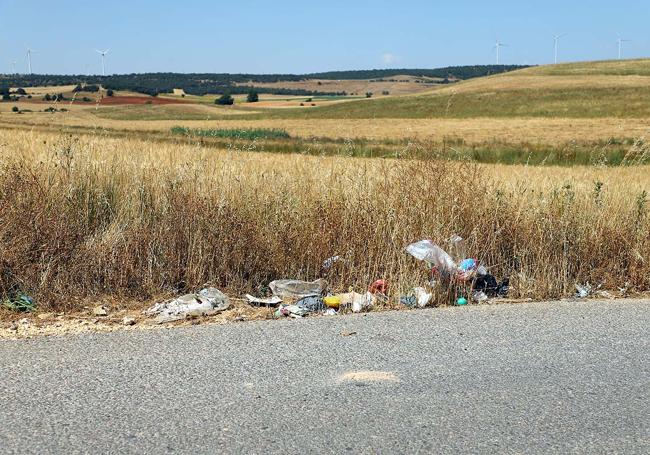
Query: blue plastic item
[(468, 264)]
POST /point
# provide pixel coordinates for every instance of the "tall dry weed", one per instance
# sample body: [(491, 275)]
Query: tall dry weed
[(84, 217)]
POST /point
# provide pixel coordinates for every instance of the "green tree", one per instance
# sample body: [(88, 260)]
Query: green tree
[(225, 100), (109, 92), (14, 109), (252, 97)]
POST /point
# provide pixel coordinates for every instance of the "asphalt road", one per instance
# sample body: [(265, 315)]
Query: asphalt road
[(533, 378)]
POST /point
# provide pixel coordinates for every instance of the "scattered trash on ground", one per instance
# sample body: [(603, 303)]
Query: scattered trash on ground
[(455, 277), (348, 333), (206, 302), (460, 276)]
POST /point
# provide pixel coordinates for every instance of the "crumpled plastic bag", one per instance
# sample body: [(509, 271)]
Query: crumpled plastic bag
[(206, 302), (426, 250), (297, 289)]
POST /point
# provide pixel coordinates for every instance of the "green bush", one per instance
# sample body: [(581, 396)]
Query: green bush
[(249, 134), (225, 100)]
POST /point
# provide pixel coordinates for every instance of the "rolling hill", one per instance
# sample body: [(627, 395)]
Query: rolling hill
[(580, 90)]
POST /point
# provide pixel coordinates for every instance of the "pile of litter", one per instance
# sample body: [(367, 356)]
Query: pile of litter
[(458, 277), (464, 278)]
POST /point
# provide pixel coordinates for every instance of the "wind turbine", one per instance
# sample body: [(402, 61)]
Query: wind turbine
[(29, 59), (103, 54), (497, 46), (620, 46), (556, 38), (13, 67)]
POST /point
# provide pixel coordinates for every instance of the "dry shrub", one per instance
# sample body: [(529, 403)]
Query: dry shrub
[(85, 217)]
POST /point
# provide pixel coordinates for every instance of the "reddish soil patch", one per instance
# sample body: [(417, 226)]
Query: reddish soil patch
[(121, 100)]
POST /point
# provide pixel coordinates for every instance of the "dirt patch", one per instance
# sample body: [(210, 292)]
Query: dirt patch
[(25, 326)]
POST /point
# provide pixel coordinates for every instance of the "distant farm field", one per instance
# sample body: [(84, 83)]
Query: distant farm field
[(473, 130)]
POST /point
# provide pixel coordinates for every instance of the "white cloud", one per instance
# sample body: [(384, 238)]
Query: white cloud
[(388, 58)]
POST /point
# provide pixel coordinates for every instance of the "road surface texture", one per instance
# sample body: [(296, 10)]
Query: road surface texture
[(527, 378)]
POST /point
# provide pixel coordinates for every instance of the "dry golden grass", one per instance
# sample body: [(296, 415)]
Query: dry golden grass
[(87, 216), (604, 67), (520, 80), (474, 130), (610, 73)]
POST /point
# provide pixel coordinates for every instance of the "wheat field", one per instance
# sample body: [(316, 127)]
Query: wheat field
[(551, 131), (88, 216)]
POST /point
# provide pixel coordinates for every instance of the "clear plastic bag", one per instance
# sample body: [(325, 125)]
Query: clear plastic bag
[(297, 289), (426, 250)]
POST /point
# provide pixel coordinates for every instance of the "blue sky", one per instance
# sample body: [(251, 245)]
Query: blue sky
[(290, 36)]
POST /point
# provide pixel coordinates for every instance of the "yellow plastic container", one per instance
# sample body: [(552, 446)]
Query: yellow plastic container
[(332, 301)]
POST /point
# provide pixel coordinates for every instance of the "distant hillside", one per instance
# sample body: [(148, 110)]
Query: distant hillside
[(634, 67), (204, 83), (617, 89)]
